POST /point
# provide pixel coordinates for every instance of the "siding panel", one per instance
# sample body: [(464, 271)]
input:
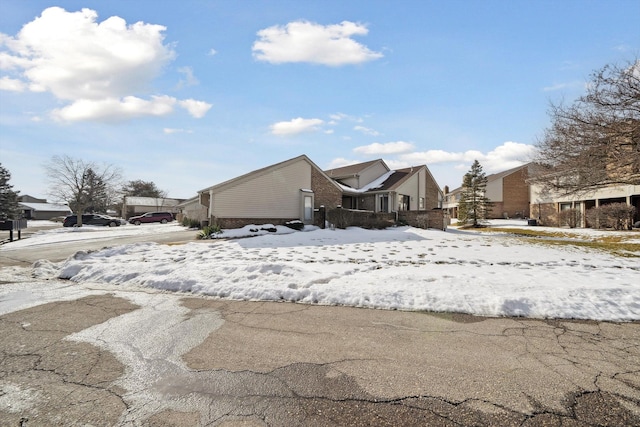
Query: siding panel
[(275, 194)]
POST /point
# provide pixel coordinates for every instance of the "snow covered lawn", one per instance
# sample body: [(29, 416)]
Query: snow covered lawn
[(488, 274)]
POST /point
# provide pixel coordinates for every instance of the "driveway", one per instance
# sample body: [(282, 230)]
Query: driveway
[(107, 355)]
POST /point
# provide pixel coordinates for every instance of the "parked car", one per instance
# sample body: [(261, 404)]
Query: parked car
[(161, 217), (92, 219)]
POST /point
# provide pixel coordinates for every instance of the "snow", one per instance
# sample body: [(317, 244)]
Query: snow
[(403, 268)]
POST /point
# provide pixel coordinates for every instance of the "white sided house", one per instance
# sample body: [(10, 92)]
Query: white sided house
[(286, 191)]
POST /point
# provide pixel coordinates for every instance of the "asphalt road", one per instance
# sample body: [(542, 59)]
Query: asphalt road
[(63, 250), (109, 356)]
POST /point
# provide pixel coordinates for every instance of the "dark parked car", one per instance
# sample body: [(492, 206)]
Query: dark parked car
[(162, 217), (91, 219)]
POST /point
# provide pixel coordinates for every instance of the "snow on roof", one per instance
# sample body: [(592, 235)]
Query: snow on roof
[(50, 207), (150, 201), (373, 185)]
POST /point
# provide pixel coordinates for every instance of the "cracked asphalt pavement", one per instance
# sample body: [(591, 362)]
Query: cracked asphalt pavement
[(102, 355)]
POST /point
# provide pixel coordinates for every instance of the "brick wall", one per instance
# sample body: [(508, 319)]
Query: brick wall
[(343, 218), (325, 192), (432, 193), (545, 213), (515, 196), (435, 218)]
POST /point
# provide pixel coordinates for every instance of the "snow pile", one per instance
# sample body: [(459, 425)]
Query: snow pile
[(400, 268)]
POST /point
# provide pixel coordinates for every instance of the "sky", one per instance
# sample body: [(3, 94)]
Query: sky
[(189, 94), (399, 268)]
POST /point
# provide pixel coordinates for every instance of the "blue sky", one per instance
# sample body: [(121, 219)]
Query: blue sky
[(189, 94)]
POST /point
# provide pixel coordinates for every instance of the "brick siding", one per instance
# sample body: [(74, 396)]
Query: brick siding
[(515, 196), (325, 191)]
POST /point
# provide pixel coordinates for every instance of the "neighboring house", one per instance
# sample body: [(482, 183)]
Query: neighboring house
[(285, 191), (508, 191), (546, 207), (451, 201), (191, 208), (133, 206), (34, 208), (373, 186)]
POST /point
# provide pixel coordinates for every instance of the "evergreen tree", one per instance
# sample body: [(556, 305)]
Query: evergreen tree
[(474, 206), (9, 207), (95, 194), (140, 188)]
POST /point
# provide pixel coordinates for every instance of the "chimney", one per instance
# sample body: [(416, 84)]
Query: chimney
[(446, 189)]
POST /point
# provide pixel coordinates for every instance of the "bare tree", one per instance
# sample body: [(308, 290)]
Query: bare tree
[(594, 142), (74, 181)]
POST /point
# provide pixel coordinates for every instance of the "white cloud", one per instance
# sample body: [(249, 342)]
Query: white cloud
[(340, 162), (196, 108), (212, 52), (366, 131), (189, 78), (376, 148), (11, 85), (296, 126), (506, 156), (338, 117), (303, 41), (99, 65), (170, 131), (114, 109)]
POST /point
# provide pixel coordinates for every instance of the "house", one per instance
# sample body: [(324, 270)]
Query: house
[(191, 208), (373, 186), (39, 209), (133, 206), (296, 188), (285, 191), (508, 191), (546, 206)]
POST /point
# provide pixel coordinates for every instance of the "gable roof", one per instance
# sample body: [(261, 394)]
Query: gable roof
[(500, 175), (259, 172), (45, 207), (389, 181), (496, 176), (352, 170)]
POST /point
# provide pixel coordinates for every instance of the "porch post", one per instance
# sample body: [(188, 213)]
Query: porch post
[(210, 207)]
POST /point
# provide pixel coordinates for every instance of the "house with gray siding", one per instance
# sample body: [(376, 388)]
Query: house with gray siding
[(285, 191), (39, 209)]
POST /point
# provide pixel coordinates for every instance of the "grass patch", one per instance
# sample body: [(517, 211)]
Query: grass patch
[(618, 244)]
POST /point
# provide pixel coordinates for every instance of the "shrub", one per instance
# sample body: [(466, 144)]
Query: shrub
[(570, 217), (618, 216), (190, 223), (209, 232)]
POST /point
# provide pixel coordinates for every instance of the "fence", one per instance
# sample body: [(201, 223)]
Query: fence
[(342, 218)]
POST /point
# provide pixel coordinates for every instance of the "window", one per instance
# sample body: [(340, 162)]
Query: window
[(383, 203), (404, 203), (308, 208), (421, 203)]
